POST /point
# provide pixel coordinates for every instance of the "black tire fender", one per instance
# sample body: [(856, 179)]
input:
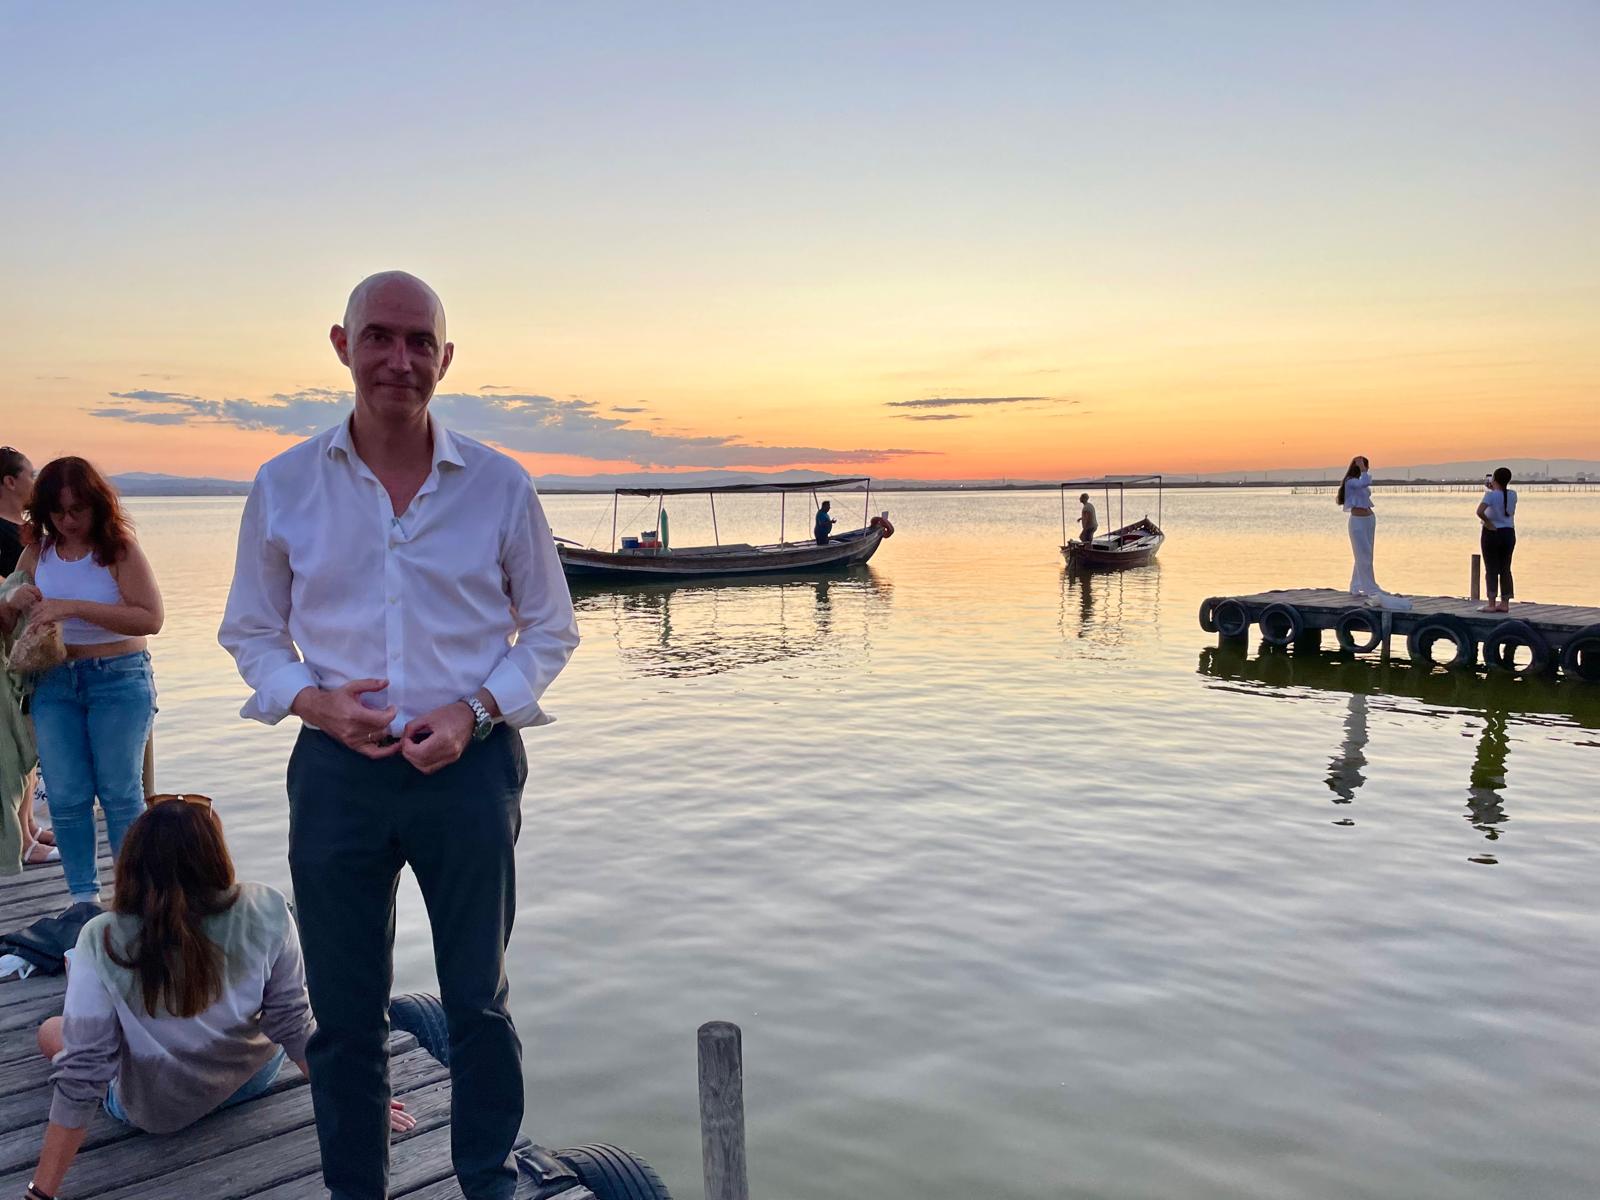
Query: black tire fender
[(611, 1173), (1354, 620), (422, 1016), (1208, 613), (1280, 624), (1580, 657), (1500, 645), (1427, 631), (1232, 618)]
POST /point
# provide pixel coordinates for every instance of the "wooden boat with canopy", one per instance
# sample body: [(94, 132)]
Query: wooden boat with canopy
[(1134, 544), (651, 558)]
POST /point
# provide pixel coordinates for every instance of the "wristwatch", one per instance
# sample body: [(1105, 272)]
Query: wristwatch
[(482, 722)]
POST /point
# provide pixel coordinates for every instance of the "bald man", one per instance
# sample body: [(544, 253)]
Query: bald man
[(397, 589)]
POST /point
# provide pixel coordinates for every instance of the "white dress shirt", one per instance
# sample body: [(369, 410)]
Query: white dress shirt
[(462, 591)]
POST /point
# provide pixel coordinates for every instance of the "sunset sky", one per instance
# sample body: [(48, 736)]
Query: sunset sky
[(930, 240)]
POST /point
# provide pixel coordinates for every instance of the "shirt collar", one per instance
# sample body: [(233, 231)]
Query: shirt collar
[(445, 449)]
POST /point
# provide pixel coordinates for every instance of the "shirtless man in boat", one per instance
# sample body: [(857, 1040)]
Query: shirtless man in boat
[(1088, 519)]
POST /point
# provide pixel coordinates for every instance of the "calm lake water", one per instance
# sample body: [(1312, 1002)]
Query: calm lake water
[(1017, 887)]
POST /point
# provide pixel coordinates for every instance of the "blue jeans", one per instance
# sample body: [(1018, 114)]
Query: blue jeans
[(92, 717), (249, 1090)]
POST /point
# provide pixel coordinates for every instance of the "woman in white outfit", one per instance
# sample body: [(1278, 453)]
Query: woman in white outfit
[(1355, 497)]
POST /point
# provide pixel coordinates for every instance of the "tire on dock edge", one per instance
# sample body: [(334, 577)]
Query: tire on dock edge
[(1580, 657), (1439, 627), (1499, 649), (1232, 619), (612, 1173), (422, 1016), (1353, 620), (1280, 625)]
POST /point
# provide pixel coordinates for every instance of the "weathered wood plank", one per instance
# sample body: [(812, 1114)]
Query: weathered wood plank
[(117, 1158), (401, 1188), (255, 1170), (19, 1145), (420, 1161), (19, 991), (24, 1073), (26, 1014), (446, 1189)]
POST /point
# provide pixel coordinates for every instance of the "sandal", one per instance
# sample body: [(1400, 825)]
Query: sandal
[(31, 854), (45, 837)]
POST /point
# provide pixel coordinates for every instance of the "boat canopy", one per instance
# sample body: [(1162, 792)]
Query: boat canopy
[(807, 485), (1114, 481), (1106, 483)]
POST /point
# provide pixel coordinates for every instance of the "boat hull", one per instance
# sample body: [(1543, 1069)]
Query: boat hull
[(1133, 545), (595, 566)]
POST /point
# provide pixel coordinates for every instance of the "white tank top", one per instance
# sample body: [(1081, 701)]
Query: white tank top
[(85, 579)]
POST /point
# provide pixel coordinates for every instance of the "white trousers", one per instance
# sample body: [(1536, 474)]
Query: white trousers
[(1362, 532)]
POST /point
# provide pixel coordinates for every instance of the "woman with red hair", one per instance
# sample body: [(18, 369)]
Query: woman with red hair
[(91, 714)]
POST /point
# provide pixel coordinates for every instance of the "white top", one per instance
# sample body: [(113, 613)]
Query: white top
[(1358, 491), (1502, 507), (58, 578), (171, 1071), (462, 591)]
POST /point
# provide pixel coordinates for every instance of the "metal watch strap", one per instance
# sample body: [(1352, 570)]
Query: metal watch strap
[(483, 723)]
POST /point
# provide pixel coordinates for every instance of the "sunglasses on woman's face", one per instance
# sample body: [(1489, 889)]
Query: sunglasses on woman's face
[(187, 797)]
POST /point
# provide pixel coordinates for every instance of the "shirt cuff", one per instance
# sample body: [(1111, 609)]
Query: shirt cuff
[(294, 1045), (73, 1114), (518, 706), (272, 699)]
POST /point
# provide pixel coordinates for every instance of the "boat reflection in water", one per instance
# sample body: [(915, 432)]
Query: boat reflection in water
[(1495, 701), (1111, 611), (707, 627)]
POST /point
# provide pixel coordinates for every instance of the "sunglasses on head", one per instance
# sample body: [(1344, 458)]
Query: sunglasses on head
[(187, 797)]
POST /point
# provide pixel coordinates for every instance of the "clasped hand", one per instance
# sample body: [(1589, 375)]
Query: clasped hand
[(429, 743)]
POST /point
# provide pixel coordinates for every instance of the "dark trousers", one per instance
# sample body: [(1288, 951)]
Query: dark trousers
[(1498, 546), (353, 823)]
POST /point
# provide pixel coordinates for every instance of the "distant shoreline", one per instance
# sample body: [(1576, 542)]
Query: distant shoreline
[(216, 491)]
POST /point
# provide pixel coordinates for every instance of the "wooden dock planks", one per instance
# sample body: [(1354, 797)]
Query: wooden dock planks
[(263, 1150)]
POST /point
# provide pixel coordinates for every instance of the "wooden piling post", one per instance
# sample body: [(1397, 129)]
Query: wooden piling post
[(722, 1111), (1477, 574)]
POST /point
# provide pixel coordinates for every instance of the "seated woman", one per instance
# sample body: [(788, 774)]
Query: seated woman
[(185, 998)]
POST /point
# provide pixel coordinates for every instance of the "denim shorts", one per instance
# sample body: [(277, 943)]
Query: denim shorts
[(253, 1087)]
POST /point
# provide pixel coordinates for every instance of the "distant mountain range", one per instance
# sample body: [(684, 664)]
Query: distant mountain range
[(144, 483)]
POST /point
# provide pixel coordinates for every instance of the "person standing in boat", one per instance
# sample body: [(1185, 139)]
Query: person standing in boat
[(397, 588), (1088, 519), (1498, 541), (824, 529)]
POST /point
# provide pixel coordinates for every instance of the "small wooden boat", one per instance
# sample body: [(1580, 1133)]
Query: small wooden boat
[(1133, 544), (659, 560)]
